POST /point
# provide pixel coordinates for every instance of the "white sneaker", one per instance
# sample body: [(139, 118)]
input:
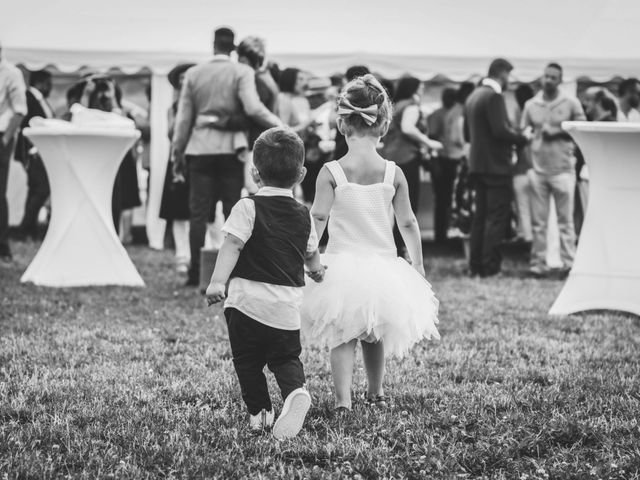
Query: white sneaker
[(261, 421), (294, 410)]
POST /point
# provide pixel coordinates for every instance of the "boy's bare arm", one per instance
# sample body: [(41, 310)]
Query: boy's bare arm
[(225, 263)]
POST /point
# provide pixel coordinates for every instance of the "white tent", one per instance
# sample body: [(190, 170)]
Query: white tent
[(456, 38)]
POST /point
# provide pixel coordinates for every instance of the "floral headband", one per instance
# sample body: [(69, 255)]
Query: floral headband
[(369, 114)]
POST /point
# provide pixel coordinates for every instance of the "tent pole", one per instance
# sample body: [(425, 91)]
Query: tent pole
[(161, 97)]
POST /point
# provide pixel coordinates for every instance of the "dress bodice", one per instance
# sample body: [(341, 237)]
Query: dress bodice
[(361, 218)]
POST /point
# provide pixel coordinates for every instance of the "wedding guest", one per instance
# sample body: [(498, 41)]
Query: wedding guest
[(252, 52), (462, 201), (406, 140), (13, 108), (435, 121), (217, 87), (492, 138), (553, 172), (293, 108), (448, 125), (73, 95), (259, 273), (101, 92), (26, 153), (521, 181), (318, 142), (629, 93), (126, 193), (174, 206), (604, 108)]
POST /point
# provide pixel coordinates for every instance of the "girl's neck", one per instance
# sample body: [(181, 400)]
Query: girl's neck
[(362, 147)]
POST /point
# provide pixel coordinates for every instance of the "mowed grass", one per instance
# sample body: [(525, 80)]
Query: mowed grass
[(139, 383)]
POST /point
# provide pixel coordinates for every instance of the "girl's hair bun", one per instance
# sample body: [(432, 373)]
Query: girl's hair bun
[(363, 92)]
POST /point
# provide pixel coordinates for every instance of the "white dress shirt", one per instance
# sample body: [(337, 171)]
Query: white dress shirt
[(277, 306), (490, 82)]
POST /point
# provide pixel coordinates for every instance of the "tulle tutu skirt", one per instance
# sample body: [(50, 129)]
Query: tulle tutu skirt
[(371, 298)]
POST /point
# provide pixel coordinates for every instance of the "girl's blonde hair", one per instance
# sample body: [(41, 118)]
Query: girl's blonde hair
[(363, 93)]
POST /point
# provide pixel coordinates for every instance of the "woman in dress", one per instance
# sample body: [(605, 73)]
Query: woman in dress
[(174, 206), (368, 294), (406, 142), (293, 107), (102, 93), (294, 110)]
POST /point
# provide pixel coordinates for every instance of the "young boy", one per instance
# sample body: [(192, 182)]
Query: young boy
[(270, 237)]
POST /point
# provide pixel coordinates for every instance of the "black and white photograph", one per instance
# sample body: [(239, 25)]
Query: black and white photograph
[(320, 240)]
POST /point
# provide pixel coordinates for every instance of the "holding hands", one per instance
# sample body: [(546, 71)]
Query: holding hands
[(317, 275), (215, 293)]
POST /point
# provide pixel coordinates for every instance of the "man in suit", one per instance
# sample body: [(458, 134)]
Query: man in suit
[(27, 154), (492, 138), (213, 90)]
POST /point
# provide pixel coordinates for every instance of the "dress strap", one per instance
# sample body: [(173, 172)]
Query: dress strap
[(337, 172), (390, 173)]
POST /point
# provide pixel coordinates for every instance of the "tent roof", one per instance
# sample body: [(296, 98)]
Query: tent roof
[(456, 38)]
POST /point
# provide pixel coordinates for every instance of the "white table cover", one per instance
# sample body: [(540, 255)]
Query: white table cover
[(606, 271), (81, 246)]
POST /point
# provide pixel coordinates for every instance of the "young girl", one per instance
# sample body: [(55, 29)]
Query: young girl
[(368, 294)]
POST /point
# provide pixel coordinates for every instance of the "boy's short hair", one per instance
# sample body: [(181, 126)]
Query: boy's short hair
[(278, 155)]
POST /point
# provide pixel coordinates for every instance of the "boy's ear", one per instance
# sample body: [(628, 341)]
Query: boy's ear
[(303, 173), (255, 175)]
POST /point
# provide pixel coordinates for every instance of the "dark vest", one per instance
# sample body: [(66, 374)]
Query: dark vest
[(277, 247)]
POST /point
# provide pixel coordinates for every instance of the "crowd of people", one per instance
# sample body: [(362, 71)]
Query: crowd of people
[(212, 132), (354, 155)]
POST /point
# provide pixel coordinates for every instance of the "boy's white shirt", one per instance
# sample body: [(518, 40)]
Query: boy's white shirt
[(277, 306)]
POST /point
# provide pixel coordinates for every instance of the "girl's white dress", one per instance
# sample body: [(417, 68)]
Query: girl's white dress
[(368, 292)]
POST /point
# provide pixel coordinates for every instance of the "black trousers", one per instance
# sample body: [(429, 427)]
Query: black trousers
[(411, 171), (212, 178), (5, 158), (493, 197), (38, 184), (443, 177), (254, 345)]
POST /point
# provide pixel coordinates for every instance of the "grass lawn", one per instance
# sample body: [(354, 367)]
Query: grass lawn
[(138, 383)]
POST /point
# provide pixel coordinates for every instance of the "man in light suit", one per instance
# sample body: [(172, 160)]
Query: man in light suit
[(492, 138), (213, 91)]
